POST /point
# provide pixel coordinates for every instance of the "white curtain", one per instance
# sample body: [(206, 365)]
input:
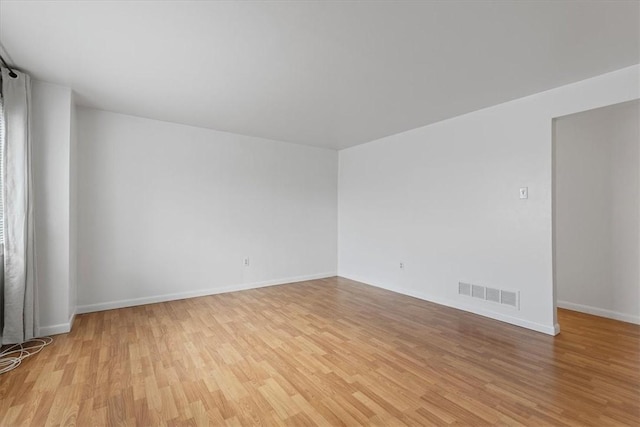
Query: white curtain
[(19, 311)]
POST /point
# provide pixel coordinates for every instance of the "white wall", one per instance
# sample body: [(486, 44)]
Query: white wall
[(597, 211), (444, 200), (51, 137), (168, 211)]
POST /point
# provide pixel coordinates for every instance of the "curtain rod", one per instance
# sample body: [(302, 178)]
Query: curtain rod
[(11, 72)]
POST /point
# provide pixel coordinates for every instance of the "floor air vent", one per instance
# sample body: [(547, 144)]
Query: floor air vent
[(509, 298), (497, 296), (477, 291), (464, 289), (493, 295)]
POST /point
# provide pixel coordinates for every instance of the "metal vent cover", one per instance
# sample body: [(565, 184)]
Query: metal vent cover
[(493, 295), (477, 291), (509, 298), (464, 288)]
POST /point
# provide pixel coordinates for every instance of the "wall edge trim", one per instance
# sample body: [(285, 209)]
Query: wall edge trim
[(595, 311)]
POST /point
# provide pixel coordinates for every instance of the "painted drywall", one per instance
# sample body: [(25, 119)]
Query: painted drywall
[(444, 200), (168, 211), (597, 211), (51, 141)]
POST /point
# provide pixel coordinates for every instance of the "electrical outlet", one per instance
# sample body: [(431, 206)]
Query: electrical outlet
[(246, 262)]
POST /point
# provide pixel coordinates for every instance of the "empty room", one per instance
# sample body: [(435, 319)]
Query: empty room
[(320, 213)]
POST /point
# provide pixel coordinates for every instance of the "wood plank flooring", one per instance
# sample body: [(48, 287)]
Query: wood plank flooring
[(325, 352)]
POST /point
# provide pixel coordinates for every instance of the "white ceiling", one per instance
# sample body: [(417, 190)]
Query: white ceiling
[(331, 74)]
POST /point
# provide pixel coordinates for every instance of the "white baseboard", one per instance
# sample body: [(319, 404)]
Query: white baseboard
[(89, 308), (616, 315), (538, 327), (61, 328)]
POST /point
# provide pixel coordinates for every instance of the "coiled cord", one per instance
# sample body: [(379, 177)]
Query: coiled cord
[(11, 357)]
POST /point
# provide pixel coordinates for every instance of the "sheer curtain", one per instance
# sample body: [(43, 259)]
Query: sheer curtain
[(18, 313)]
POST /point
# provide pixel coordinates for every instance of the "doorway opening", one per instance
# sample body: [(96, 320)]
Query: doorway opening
[(596, 212)]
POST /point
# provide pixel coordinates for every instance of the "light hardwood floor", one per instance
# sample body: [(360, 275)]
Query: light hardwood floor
[(328, 352)]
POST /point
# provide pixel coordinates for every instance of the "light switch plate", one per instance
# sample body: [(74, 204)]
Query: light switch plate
[(524, 192)]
